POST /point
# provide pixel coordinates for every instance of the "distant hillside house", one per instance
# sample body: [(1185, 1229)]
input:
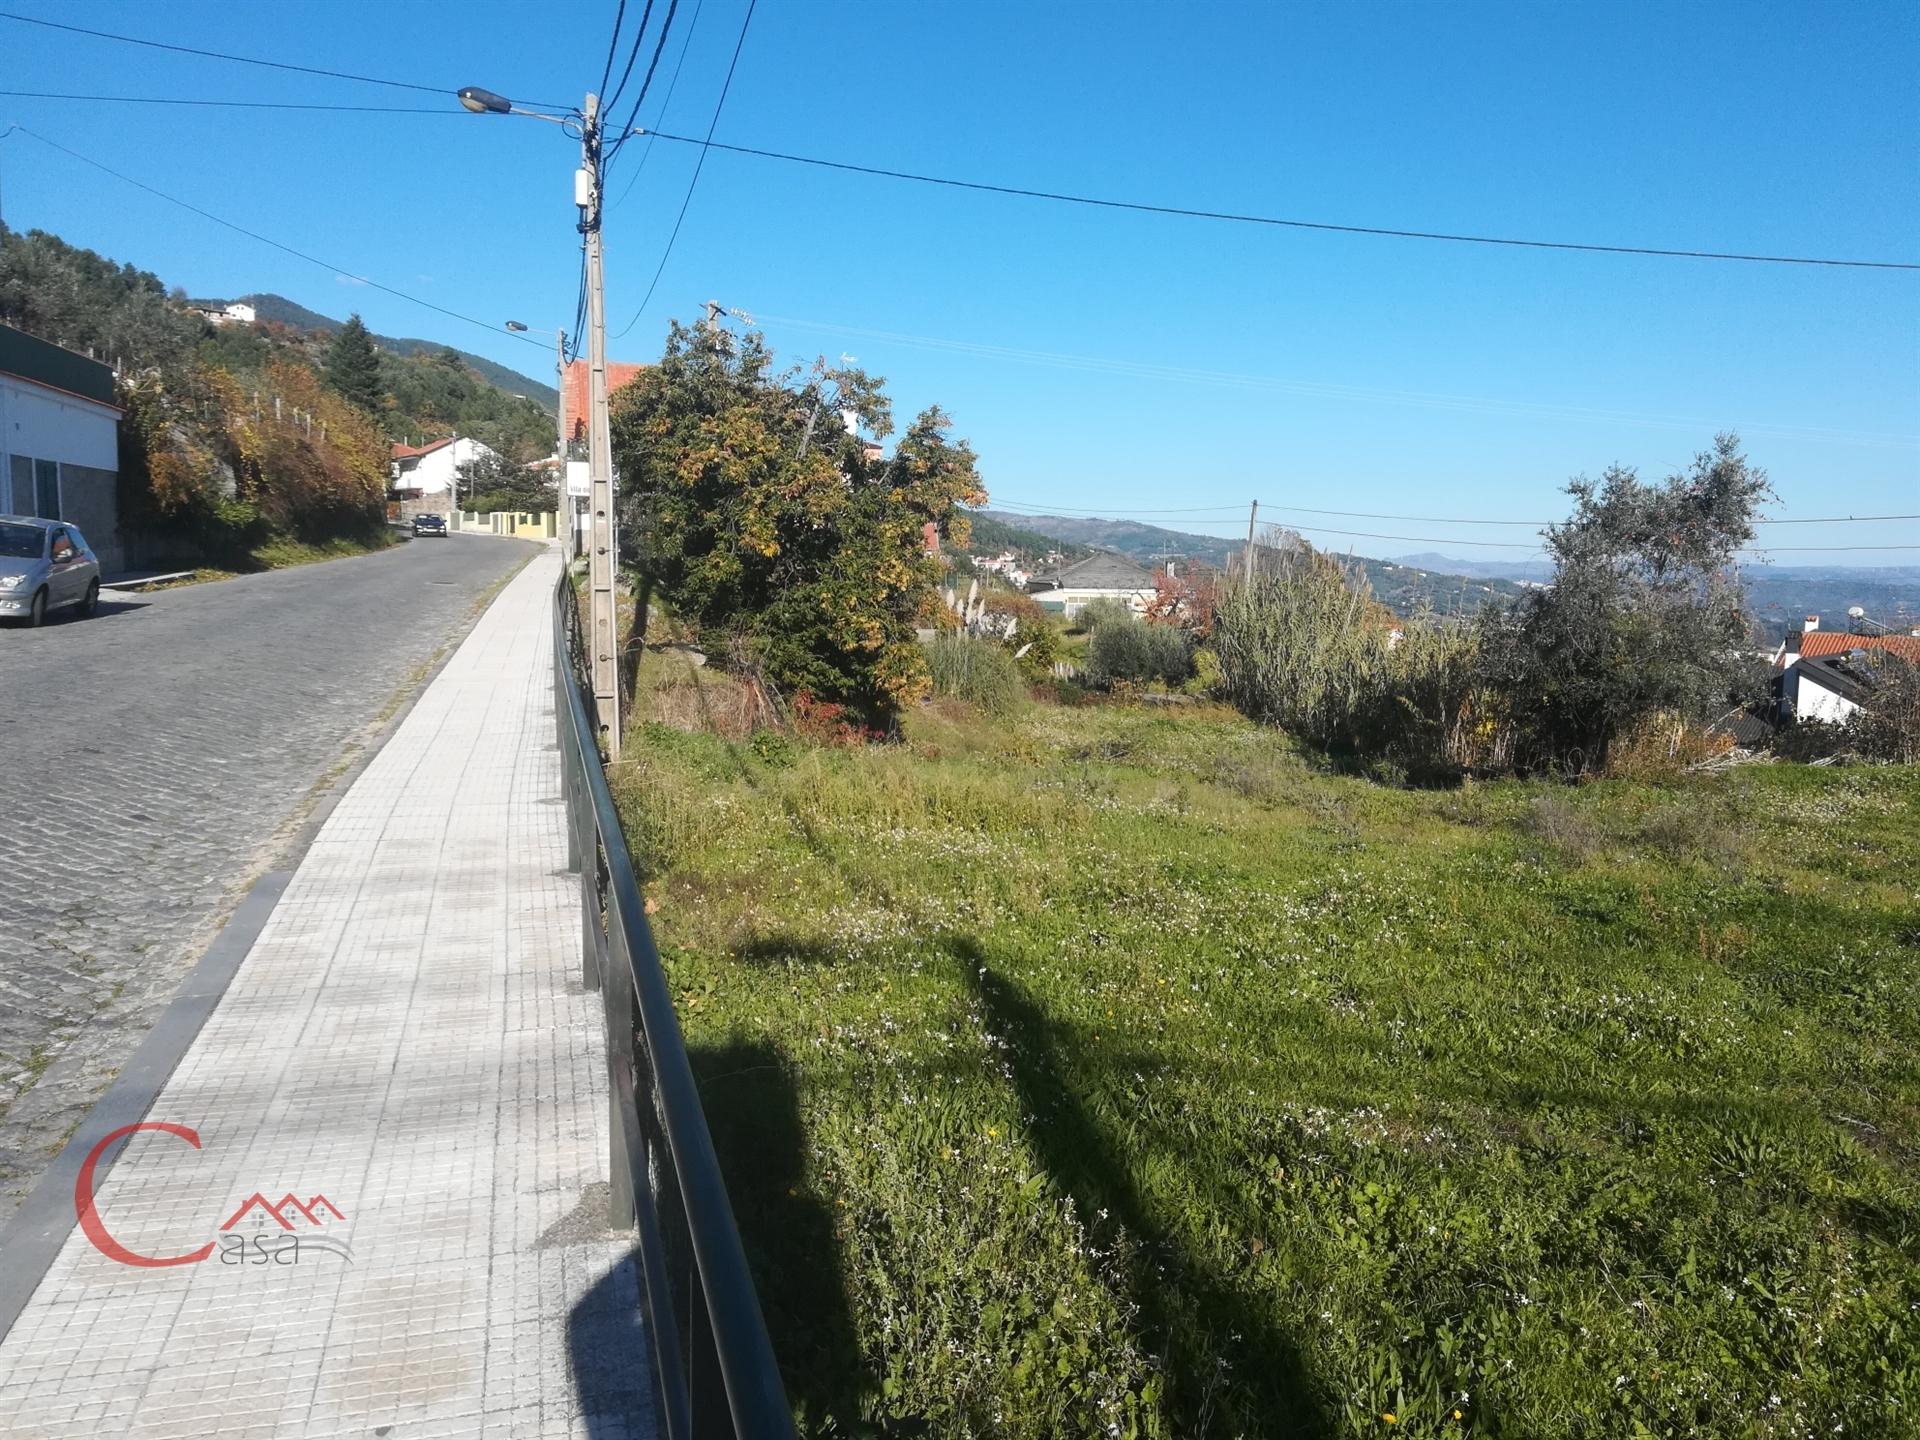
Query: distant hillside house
[(1099, 577), (424, 476), (219, 313), (60, 440), (576, 388)]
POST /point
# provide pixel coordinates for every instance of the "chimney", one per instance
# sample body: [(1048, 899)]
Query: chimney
[(1810, 624)]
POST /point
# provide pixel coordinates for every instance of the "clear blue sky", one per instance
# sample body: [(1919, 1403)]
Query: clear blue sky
[(1341, 372)]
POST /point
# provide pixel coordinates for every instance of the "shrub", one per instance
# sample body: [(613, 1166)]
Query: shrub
[(1132, 651), (1096, 613), (965, 667), (1888, 727), (1035, 641)]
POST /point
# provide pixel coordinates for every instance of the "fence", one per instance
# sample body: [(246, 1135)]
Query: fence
[(713, 1363)]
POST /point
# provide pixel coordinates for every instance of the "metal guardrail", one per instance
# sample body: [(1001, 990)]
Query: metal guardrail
[(713, 1363)]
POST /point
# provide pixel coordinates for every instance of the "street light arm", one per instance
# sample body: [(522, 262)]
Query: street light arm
[(485, 102)]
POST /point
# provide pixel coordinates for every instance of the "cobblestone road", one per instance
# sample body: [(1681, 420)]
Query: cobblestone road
[(152, 761)]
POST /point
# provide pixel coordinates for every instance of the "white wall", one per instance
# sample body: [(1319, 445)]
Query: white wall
[(49, 425), (1813, 701), (1075, 600)]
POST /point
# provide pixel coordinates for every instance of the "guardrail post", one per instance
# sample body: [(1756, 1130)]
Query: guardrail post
[(622, 1097)]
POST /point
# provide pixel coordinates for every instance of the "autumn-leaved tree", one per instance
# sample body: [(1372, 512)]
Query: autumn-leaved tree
[(748, 504)]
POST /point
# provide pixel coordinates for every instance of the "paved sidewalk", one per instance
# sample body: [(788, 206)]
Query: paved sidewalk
[(409, 1040)]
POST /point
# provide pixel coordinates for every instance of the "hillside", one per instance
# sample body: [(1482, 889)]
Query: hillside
[(278, 310), (991, 535), (1403, 588)]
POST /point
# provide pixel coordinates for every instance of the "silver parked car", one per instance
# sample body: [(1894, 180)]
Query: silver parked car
[(45, 565)]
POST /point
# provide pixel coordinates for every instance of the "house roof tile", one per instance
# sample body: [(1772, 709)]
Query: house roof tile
[(1835, 642)]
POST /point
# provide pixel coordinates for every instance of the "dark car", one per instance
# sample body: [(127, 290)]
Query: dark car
[(430, 525)]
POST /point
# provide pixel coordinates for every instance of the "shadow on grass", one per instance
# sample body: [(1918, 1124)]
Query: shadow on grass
[(1227, 1369), (754, 1116)]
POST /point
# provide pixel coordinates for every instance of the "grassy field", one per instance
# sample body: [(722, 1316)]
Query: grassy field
[(1110, 1071)]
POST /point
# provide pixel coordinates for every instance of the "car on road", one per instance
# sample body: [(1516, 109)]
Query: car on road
[(45, 565), (430, 525)]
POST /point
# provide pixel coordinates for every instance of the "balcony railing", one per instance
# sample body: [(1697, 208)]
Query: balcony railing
[(713, 1363)]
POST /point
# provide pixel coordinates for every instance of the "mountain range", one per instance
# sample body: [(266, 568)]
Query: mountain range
[(278, 310)]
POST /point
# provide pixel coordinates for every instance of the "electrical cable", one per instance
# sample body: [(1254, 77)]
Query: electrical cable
[(245, 59), (700, 165), (448, 111), (1143, 207), (490, 328), (1493, 544), (632, 54), (1148, 370), (673, 84), (1080, 511), (622, 134), (613, 46)]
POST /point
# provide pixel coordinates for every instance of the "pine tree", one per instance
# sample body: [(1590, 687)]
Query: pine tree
[(353, 367)]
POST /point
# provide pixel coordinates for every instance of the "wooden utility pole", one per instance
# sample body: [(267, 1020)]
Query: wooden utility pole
[(1247, 564)]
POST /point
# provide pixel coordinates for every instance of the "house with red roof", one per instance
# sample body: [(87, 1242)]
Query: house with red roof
[(426, 478), (1827, 674)]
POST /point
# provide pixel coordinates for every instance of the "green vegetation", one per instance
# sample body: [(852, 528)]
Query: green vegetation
[(1126, 650), (967, 667), (353, 367), (234, 449), (1107, 1071)]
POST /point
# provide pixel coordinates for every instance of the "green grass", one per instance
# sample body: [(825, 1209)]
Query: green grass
[(1109, 1071), (283, 551)]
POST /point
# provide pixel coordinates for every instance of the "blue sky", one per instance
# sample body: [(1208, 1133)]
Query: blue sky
[(1097, 360)]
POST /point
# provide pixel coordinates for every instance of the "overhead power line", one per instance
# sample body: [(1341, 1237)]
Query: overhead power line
[(1005, 508), (673, 84), (646, 83), (1228, 379), (443, 90), (445, 110), (1079, 511), (699, 165), (1145, 207), (489, 327), (613, 46)]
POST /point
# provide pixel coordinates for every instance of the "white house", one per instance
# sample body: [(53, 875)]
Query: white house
[(234, 314), (60, 440), (1823, 673), (1827, 688), (426, 477), (1099, 577)]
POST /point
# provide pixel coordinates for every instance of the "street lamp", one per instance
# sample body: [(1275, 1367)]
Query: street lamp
[(602, 639), (560, 419)]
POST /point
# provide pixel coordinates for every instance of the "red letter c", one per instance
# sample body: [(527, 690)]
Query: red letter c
[(90, 1221)]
